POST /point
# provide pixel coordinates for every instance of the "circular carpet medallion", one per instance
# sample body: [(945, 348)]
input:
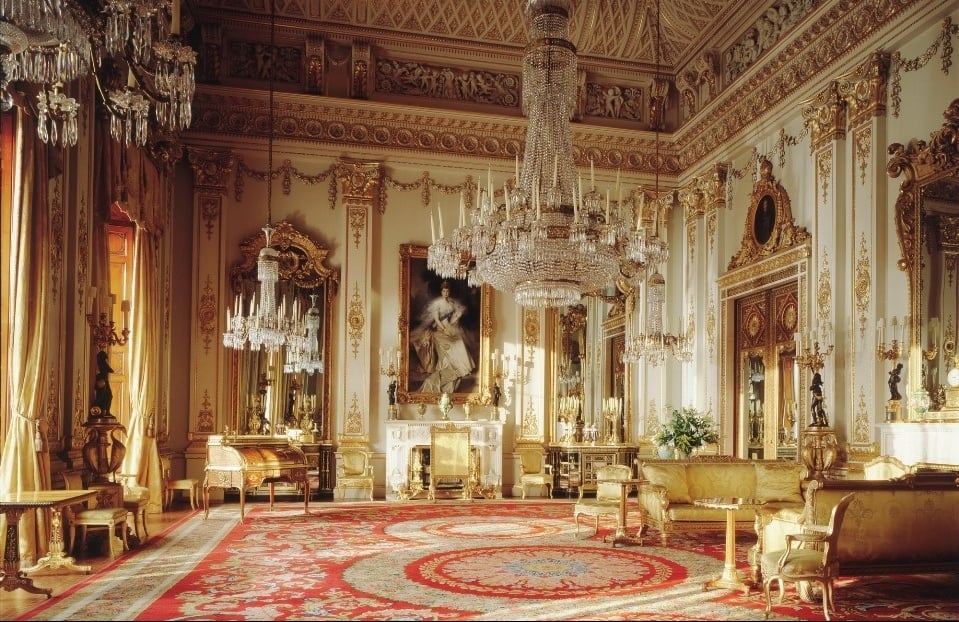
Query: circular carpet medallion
[(536, 572)]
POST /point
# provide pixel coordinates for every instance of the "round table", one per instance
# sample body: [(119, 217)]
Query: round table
[(731, 577)]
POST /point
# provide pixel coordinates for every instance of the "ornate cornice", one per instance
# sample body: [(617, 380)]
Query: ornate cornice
[(380, 126)]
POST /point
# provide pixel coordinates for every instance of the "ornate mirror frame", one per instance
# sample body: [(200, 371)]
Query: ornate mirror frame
[(930, 169), (303, 270)]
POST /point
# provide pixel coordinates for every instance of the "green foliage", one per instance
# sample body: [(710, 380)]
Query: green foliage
[(686, 430)]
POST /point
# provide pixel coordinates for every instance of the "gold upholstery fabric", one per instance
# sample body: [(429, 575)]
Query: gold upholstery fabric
[(714, 480), (672, 477), (779, 482), (667, 499)]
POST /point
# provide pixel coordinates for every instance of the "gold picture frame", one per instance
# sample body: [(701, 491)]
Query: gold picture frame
[(444, 340)]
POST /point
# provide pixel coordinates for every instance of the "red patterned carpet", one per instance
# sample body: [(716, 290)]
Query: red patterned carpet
[(451, 560)]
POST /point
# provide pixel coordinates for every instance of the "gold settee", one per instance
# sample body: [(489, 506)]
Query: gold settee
[(669, 489), (902, 525)]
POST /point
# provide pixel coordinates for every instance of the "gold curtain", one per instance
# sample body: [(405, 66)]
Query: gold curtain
[(143, 458), (25, 461)]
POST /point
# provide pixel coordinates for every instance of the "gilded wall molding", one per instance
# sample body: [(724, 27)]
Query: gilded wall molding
[(864, 89), (769, 228), (825, 113), (824, 291), (899, 64), (207, 315), (356, 320), (57, 235), (862, 283), (862, 149)]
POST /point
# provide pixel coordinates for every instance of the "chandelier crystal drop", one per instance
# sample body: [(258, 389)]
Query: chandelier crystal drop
[(546, 239), (54, 42)]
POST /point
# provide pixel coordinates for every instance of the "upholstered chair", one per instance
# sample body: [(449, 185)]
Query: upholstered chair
[(608, 495), (170, 485), (136, 498), (816, 562), (86, 515), (354, 470), (534, 470)]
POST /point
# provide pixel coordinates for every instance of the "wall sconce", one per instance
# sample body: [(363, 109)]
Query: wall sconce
[(103, 330), (508, 369), (390, 367)]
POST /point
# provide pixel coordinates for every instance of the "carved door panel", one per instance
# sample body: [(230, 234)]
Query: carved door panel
[(766, 423)]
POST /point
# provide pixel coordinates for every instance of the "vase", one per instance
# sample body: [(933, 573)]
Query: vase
[(665, 452), (681, 455)]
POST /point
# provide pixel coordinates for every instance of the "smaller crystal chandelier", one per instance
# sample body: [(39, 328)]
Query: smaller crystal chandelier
[(54, 42), (654, 343), (303, 346), (265, 325)]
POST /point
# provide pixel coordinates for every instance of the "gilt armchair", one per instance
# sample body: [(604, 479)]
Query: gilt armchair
[(817, 562), (534, 470), (354, 470), (450, 460), (608, 495)]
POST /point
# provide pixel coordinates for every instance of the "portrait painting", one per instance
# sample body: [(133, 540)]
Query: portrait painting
[(444, 345), (765, 219)]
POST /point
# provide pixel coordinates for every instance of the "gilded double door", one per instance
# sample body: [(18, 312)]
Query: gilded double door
[(766, 422)]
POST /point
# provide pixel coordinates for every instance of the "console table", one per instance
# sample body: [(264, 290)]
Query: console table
[(405, 437), (13, 505)]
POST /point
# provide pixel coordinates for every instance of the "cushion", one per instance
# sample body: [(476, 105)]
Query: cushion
[(705, 480), (672, 477), (779, 481)]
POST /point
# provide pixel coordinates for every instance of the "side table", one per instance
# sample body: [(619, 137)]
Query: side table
[(730, 578)]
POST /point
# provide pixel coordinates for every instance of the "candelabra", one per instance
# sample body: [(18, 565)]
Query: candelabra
[(819, 443), (895, 351), (390, 367), (612, 408), (809, 354), (103, 330)]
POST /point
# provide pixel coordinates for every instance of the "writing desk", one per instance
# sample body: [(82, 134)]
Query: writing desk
[(13, 505)]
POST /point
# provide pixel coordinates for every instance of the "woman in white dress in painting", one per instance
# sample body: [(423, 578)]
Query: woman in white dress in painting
[(440, 345)]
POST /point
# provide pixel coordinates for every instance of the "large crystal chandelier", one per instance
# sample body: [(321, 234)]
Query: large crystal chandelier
[(265, 325), (50, 43), (547, 240)]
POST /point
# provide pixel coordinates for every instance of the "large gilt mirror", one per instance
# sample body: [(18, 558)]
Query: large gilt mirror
[(927, 220), (270, 393), (588, 384)]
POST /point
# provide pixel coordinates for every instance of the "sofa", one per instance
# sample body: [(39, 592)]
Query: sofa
[(903, 525), (669, 488)]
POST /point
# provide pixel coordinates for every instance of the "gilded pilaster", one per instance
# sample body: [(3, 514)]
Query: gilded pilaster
[(864, 90), (359, 186), (209, 390), (826, 115)]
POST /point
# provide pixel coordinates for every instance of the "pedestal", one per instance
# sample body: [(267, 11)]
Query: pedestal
[(103, 452), (893, 408), (819, 450)]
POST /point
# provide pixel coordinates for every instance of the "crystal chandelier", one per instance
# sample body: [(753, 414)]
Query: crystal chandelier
[(546, 240), (303, 347), (265, 326), (50, 43), (654, 342)]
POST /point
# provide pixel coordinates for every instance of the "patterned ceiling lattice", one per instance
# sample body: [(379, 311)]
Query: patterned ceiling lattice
[(618, 30)]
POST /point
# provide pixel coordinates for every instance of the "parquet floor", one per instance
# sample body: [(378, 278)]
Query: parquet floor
[(15, 603)]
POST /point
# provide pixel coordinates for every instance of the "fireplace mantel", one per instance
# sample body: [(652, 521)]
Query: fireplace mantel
[(405, 436)]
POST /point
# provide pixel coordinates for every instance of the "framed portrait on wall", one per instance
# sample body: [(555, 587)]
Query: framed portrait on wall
[(444, 333), (764, 221)]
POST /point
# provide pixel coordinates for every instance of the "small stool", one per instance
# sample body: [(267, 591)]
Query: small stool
[(190, 485), (171, 485)]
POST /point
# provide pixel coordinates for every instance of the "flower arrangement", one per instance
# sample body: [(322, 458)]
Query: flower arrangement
[(686, 430)]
